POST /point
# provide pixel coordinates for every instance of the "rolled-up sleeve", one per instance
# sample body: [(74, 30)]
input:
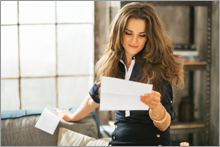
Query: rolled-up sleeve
[(167, 102), (94, 92)]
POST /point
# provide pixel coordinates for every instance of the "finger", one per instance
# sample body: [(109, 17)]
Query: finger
[(151, 97), (154, 103), (156, 93), (142, 98), (69, 111), (148, 97), (156, 99), (59, 110), (60, 115), (152, 100), (145, 100), (147, 94)]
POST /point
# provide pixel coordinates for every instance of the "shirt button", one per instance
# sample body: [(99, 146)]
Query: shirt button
[(115, 127), (109, 145), (113, 137), (158, 135)]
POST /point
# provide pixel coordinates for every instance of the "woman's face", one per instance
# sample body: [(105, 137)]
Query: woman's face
[(134, 37)]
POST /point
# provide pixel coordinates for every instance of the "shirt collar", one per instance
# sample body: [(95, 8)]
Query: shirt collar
[(133, 58)]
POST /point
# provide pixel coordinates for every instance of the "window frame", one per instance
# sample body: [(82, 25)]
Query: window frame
[(56, 76)]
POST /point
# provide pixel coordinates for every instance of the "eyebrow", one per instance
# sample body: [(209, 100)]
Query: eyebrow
[(132, 31)]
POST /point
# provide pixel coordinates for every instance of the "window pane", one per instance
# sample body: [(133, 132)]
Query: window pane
[(9, 51), (36, 12), (38, 93), (38, 53), (73, 90), (75, 11), (75, 49), (9, 95), (9, 12)]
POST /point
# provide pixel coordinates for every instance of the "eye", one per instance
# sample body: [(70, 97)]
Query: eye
[(143, 35), (127, 33)]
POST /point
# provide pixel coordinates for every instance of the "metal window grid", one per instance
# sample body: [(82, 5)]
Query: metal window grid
[(56, 72)]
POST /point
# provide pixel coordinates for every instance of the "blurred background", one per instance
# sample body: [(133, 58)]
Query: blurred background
[(49, 49)]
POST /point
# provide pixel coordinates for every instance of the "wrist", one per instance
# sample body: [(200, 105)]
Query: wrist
[(161, 120), (157, 108), (157, 112), (72, 117)]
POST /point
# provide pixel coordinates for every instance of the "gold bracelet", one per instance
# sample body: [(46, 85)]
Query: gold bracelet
[(159, 121), (157, 116)]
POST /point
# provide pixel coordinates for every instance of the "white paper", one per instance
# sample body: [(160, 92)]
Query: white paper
[(119, 94), (48, 120)]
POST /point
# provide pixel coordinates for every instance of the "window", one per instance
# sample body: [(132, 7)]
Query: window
[(47, 53)]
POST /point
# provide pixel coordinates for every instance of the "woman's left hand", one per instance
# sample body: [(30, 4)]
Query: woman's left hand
[(65, 115), (151, 99)]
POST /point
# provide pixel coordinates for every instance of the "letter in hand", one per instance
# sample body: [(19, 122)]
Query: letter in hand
[(152, 100), (65, 115)]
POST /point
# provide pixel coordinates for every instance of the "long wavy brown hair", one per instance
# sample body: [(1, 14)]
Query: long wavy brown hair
[(158, 63)]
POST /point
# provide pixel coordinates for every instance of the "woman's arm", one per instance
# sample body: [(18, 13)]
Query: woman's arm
[(157, 112), (162, 119), (84, 109)]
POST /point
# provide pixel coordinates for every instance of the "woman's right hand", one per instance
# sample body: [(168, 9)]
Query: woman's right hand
[(65, 115)]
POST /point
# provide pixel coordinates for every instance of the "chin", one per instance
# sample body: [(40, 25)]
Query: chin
[(133, 53)]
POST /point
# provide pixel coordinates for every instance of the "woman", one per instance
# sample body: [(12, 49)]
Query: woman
[(138, 50)]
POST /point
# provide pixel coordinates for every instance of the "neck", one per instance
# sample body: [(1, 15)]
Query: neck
[(127, 59)]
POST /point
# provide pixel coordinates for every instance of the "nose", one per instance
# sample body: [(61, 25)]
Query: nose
[(134, 39)]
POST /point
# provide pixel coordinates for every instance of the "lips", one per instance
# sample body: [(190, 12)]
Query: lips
[(132, 46)]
